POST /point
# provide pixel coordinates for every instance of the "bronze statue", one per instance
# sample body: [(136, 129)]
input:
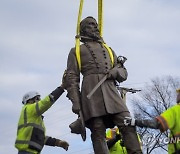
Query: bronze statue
[(105, 108)]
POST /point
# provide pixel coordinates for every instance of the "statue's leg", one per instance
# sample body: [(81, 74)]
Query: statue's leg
[(98, 133), (129, 134)]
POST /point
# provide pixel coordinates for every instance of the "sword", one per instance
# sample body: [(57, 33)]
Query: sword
[(83, 129), (120, 60), (97, 86)]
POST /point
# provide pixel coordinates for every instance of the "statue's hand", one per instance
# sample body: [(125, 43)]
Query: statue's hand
[(75, 108)]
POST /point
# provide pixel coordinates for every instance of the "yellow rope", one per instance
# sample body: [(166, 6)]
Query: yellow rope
[(100, 16), (110, 53), (78, 33), (100, 26)]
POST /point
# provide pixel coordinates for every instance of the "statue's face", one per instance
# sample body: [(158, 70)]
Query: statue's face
[(89, 27)]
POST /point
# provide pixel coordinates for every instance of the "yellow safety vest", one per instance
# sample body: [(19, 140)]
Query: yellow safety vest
[(169, 119), (31, 129)]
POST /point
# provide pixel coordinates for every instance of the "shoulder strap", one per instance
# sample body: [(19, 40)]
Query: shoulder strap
[(78, 33), (78, 55), (110, 53), (100, 24)]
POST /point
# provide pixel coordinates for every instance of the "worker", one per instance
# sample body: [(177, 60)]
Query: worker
[(168, 120), (105, 108), (31, 130), (115, 142)]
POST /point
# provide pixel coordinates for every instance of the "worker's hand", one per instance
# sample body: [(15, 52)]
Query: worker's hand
[(64, 80), (76, 108), (61, 143), (128, 121)]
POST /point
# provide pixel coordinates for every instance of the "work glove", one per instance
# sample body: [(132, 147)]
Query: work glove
[(61, 143), (64, 80), (128, 121)]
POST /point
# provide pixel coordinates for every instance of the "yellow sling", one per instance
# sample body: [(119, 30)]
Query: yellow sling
[(100, 24)]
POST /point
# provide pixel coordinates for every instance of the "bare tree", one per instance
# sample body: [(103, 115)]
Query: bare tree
[(155, 97)]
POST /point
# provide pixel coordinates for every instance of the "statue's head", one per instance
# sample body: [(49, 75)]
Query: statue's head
[(89, 29)]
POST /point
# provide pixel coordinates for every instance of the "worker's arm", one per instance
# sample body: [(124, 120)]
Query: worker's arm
[(148, 123), (43, 105), (37, 109), (168, 119), (56, 142), (153, 123), (54, 95)]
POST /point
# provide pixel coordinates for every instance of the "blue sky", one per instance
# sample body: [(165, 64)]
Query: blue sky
[(36, 37)]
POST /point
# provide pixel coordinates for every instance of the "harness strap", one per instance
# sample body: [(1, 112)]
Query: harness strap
[(100, 16), (110, 53), (100, 24), (78, 56)]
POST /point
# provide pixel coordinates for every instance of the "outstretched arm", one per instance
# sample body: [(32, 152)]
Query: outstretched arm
[(148, 123), (153, 123), (56, 142)]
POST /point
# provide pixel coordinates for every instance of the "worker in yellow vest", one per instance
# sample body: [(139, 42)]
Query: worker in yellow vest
[(31, 130), (168, 120), (115, 142)]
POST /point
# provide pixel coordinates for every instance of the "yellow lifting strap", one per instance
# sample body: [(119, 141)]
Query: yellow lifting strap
[(110, 53), (78, 56), (100, 16), (100, 24)]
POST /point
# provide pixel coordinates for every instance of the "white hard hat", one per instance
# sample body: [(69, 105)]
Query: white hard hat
[(29, 96)]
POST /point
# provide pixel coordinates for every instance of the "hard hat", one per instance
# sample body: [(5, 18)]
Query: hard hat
[(29, 96), (178, 90)]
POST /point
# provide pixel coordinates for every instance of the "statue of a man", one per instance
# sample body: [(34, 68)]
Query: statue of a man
[(105, 108)]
